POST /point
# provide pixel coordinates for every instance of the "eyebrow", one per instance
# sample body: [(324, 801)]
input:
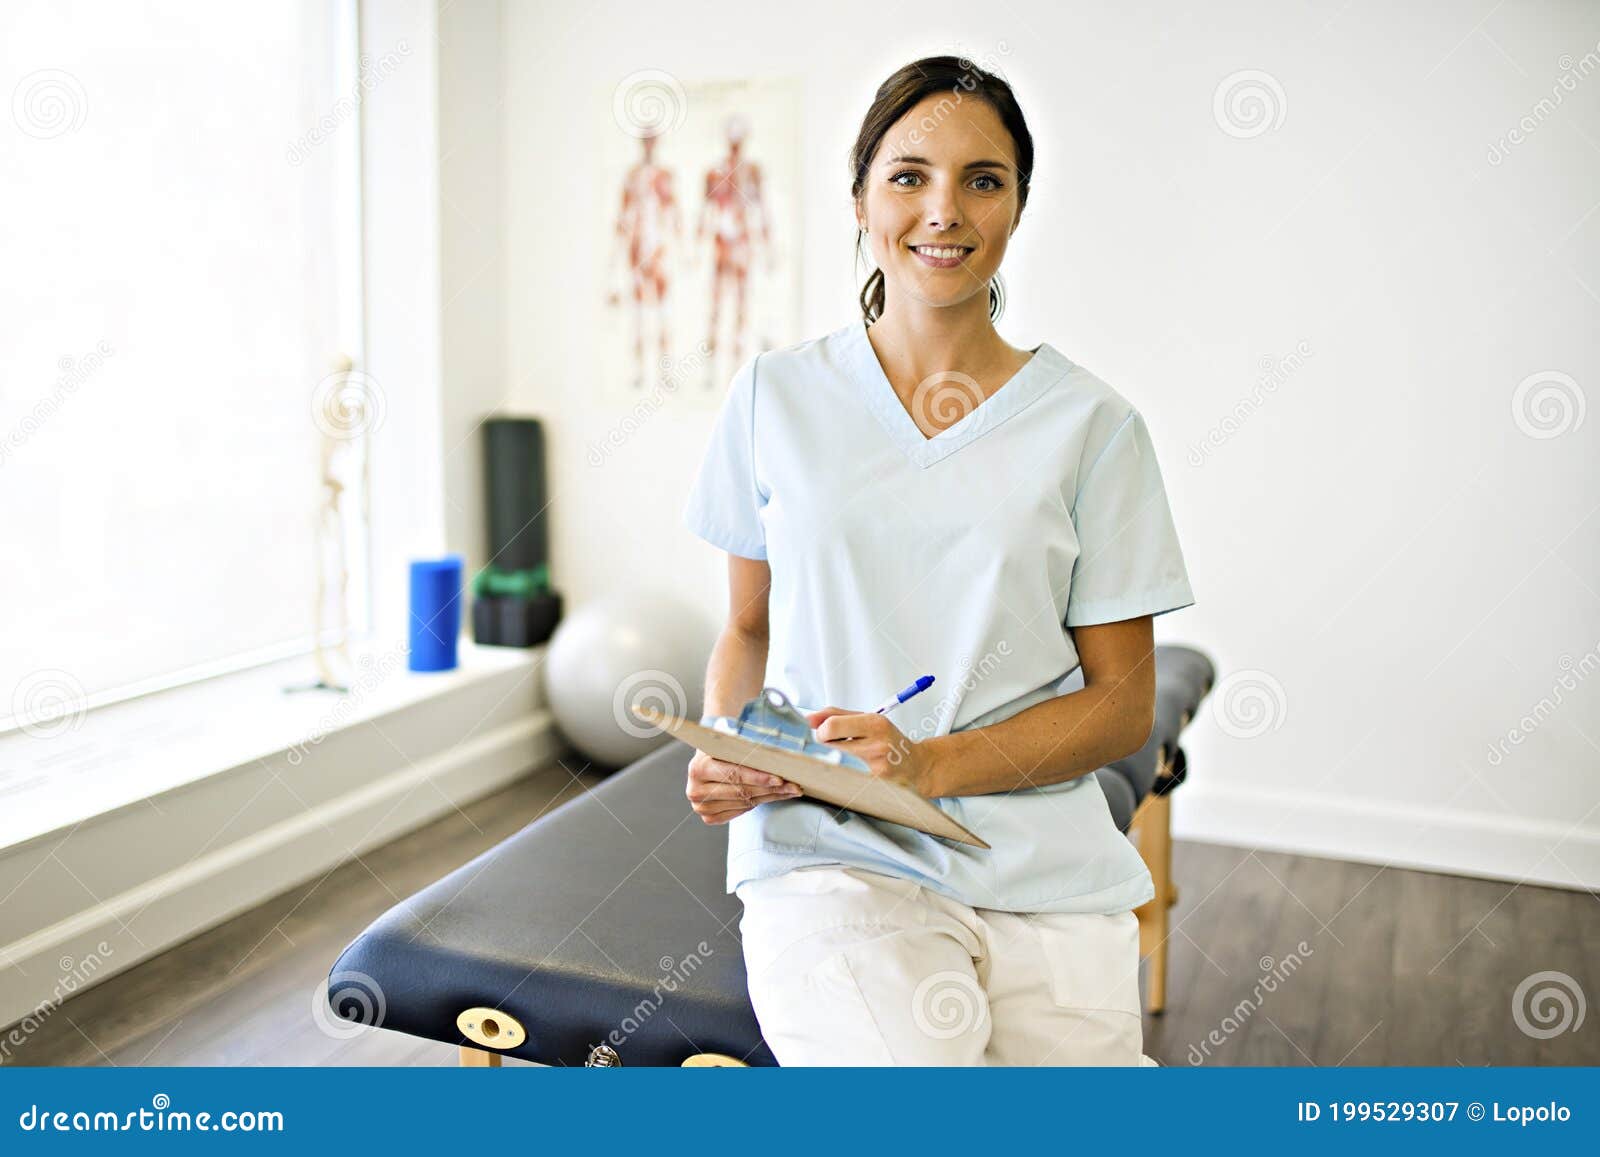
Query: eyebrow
[(910, 160)]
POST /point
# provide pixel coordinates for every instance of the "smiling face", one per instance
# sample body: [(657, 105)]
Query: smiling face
[(940, 201)]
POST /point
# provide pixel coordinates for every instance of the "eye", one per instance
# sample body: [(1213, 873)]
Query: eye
[(990, 177), (895, 180)]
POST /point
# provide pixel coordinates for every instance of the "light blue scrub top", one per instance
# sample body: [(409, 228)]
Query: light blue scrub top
[(961, 556)]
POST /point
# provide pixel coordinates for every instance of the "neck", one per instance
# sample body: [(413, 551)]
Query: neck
[(921, 340)]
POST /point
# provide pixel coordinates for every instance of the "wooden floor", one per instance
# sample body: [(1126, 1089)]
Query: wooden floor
[(1276, 960)]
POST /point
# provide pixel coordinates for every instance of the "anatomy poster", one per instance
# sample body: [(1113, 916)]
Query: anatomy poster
[(700, 232)]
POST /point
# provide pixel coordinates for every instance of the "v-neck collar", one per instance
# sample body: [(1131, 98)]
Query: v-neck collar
[(1044, 369)]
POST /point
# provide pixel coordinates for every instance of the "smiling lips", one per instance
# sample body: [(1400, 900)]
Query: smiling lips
[(941, 256)]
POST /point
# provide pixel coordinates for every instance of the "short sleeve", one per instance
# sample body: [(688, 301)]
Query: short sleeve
[(1129, 563), (724, 506)]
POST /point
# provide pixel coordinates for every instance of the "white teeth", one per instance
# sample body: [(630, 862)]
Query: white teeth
[(930, 251)]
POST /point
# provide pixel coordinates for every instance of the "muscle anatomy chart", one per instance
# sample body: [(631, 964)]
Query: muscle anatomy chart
[(702, 232)]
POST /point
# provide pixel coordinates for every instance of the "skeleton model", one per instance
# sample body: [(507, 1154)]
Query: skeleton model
[(648, 214), (345, 409), (732, 200)]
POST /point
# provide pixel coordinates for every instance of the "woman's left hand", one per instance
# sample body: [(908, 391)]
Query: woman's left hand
[(886, 750)]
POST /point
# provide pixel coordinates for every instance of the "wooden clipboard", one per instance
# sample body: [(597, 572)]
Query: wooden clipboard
[(844, 786)]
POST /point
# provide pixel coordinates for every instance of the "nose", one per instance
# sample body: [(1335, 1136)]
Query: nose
[(941, 210)]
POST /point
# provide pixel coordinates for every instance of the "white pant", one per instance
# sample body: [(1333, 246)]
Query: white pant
[(853, 967)]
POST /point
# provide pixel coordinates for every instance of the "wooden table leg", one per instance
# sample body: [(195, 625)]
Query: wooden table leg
[(713, 1061), (1154, 823)]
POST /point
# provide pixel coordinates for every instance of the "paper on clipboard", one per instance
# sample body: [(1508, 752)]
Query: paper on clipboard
[(827, 781)]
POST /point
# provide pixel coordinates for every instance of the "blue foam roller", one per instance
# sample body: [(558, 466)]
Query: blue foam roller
[(435, 613)]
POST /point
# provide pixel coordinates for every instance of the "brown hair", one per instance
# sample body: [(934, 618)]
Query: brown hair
[(901, 93)]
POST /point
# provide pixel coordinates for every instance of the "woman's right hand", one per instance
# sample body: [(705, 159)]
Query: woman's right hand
[(719, 791)]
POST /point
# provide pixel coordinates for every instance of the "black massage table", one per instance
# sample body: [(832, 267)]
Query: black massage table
[(605, 922)]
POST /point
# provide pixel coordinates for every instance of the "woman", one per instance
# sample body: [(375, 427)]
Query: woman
[(911, 495)]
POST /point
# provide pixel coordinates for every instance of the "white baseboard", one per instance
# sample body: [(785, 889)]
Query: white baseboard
[(1454, 842), (233, 877)]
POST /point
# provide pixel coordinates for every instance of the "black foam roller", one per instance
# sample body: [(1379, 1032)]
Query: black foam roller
[(508, 621), (514, 482)]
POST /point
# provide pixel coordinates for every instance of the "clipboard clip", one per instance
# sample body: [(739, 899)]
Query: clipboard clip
[(771, 720)]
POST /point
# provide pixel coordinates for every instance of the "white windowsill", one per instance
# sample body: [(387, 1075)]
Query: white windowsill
[(124, 754)]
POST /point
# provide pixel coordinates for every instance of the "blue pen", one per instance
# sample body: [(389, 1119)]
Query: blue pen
[(916, 688)]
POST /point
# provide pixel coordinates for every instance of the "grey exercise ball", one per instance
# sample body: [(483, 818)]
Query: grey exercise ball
[(649, 649)]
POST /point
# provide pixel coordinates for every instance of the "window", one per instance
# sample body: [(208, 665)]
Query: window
[(179, 218)]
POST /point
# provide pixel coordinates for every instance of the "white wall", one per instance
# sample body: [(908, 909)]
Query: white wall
[(434, 276), (402, 290), (472, 251), (1379, 538)]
